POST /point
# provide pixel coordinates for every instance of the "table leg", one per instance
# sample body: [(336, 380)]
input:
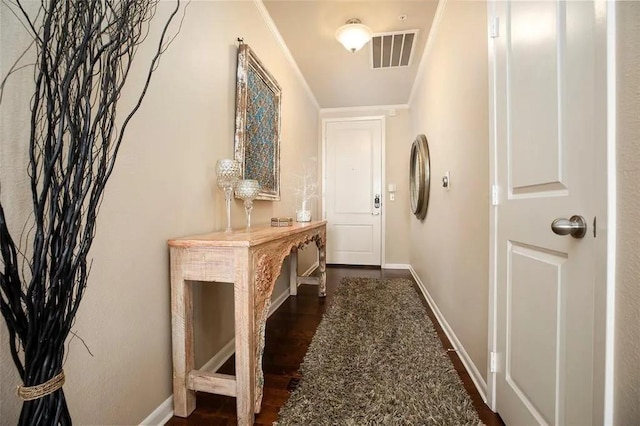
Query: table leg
[(293, 272), (245, 337), (322, 262), (184, 400)]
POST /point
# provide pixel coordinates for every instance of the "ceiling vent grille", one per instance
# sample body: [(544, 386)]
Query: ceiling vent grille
[(393, 49)]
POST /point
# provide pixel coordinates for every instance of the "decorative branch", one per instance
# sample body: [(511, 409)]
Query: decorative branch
[(306, 188), (85, 50)]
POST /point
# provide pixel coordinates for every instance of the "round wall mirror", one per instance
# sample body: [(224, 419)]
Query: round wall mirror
[(419, 178)]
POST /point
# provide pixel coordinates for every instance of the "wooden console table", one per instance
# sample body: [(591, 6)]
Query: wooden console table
[(251, 260)]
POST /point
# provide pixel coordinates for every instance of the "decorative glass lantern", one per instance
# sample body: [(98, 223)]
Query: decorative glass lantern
[(248, 190), (228, 173)]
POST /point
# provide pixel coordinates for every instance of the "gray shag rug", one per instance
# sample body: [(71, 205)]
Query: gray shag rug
[(376, 359)]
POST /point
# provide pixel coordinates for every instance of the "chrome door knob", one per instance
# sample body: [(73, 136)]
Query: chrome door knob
[(575, 226)]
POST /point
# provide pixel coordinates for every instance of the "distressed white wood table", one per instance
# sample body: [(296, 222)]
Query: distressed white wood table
[(251, 260)]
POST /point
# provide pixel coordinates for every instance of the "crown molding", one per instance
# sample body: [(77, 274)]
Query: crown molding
[(287, 53), (363, 108), (435, 25)]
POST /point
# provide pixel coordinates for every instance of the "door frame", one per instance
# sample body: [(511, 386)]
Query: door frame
[(604, 304), (383, 172)]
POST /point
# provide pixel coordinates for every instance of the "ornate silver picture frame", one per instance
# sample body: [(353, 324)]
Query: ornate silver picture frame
[(257, 136)]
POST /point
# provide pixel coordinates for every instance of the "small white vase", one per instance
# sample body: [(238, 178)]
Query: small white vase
[(303, 215)]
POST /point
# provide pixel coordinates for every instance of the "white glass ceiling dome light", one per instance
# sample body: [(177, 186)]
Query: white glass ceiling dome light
[(353, 35)]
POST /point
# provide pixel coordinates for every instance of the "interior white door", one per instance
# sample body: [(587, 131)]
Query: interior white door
[(353, 197), (550, 102)]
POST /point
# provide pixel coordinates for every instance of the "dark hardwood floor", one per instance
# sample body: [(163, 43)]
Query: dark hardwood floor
[(288, 335)]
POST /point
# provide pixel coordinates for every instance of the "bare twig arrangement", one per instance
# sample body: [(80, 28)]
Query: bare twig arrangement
[(306, 189), (85, 50)]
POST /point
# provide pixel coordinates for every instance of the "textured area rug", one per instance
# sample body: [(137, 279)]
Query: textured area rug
[(376, 359)]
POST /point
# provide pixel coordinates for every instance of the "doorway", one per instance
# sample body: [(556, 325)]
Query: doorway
[(352, 201), (549, 111)]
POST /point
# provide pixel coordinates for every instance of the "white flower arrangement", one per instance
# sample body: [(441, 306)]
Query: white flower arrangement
[(306, 189)]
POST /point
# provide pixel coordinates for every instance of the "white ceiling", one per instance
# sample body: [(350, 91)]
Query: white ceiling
[(339, 78)]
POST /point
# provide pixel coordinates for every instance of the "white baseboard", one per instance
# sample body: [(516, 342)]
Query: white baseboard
[(221, 357), (475, 375), (164, 412), (312, 268), (396, 266), (160, 415), (278, 301)]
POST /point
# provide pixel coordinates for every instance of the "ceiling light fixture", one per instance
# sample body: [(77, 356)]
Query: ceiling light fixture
[(353, 35)]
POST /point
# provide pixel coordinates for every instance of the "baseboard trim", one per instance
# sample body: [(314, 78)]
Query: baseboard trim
[(160, 415), (311, 269), (475, 375), (164, 412), (396, 266), (278, 301), (221, 357)]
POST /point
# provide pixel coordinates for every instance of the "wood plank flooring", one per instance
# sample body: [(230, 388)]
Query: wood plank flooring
[(289, 332)]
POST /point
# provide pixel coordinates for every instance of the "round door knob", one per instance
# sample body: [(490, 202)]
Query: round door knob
[(575, 226)]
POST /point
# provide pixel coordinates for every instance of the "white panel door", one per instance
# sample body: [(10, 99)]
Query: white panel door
[(353, 177), (550, 104)]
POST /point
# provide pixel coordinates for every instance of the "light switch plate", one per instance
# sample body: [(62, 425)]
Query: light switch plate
[(446, 181)]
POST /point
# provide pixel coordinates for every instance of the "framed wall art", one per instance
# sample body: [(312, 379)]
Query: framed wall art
[(257, 136)]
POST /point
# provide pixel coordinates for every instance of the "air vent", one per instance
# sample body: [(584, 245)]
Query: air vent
[(392, 50)]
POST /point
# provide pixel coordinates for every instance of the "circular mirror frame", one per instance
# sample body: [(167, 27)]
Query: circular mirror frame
[(419, 176)]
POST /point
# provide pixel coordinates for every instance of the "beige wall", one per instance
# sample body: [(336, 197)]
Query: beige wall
[(627, 315), (398, 141), (450, 249), (163, 187)]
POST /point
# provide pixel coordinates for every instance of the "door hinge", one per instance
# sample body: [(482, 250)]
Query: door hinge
[(493, 362), (495, 199), (494, 27)]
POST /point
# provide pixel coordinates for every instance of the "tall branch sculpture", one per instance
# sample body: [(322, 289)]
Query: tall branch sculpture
[(85, 50)]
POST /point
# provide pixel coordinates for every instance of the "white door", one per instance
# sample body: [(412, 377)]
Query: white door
[(352, 194), (550, 102)]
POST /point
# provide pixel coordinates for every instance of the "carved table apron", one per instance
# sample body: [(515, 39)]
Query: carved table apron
[(251, 259)]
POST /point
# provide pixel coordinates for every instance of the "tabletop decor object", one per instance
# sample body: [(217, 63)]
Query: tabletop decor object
[(303, 215), (257, 134), (228, 173), (306, 190), (248, 190), (281, 221)]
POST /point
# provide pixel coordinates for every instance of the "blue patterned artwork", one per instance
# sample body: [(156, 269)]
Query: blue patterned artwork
[(257, 138), (262, 112)]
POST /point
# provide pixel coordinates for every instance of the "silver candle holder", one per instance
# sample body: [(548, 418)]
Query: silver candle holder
[(248, 190), (228, 173)]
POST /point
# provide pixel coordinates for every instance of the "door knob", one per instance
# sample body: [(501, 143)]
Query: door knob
[(576, 226)]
